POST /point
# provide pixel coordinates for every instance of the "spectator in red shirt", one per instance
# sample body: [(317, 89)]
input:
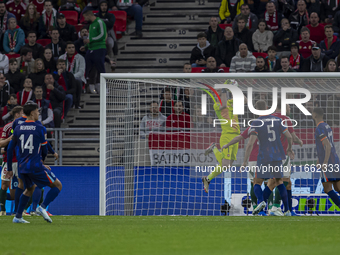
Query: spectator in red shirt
[(26, 94), (317, 32), (17, 7), (179, 119), (305, 45)]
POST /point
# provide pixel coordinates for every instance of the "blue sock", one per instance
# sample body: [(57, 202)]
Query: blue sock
[(290, 201), (36, 198), (22, 203), (17, 196), (9, 197), (51, 195), (284, 196), (258, 193), (266, 193), (334, 197)]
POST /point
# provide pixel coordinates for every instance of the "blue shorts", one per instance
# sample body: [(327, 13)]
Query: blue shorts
[(326, 177), (269, 170), (42, 178)]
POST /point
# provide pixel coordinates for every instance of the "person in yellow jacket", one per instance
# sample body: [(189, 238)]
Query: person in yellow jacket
[(229, 9)]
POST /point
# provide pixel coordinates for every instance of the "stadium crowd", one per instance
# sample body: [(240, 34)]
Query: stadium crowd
[(46, 59), (286, 35), (258, 36)]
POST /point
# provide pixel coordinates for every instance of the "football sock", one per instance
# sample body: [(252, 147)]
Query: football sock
[(270, 200), (22, 203), (283, 193), (42, 196), (28, 204), (258, 192), (51, 195), (253, 196), (36, 198), (218, 155), (277, 200), (9, 197), (334, 198), (18, 193), (290, 201), (3, 196), (218, 170), (266, 193)]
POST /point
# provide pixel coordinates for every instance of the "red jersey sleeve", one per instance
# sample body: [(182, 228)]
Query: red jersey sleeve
[(4, 112), (245, 133)]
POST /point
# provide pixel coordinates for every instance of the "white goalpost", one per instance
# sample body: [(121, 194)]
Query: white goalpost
[(152, 164)]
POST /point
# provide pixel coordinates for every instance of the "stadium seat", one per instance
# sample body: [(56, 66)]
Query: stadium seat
[(197, 69), (223, 26), (82, 20), (71, 17), (256, 54), (120, 24), (78, 27), (44, 42), (12, 56)]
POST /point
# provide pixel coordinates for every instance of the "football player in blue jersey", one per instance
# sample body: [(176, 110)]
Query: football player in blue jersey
[(328, 160), (28, 139), (267, 130), (20, 188)]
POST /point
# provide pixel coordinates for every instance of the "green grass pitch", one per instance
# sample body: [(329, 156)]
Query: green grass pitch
[(171, 235)]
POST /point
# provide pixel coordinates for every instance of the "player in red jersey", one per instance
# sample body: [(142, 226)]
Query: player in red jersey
[(17, 7), (9, 183), (286, 175)]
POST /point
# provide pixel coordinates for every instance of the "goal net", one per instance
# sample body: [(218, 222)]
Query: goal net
[(155, 128)]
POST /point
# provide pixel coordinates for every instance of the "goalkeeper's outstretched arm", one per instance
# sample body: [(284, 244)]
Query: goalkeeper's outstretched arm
[(224, 99), (233, 141)]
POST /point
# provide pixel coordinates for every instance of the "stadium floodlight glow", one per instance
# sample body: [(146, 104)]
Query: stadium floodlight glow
[(146, 173)]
